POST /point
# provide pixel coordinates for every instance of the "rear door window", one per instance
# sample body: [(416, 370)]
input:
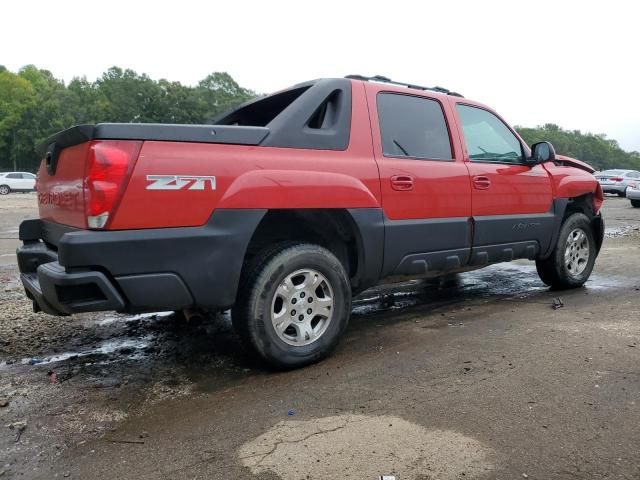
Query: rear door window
[(413, 127)]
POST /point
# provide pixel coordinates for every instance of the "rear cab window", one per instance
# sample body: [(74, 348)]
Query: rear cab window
[(487, 138), (413, 127)]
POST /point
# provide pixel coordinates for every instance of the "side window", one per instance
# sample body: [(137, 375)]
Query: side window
[(28, 176), (633, 175), (413, 127), (14, 175), (487, 138)]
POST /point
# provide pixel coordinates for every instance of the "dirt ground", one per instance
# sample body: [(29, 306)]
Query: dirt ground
[(477, 377)]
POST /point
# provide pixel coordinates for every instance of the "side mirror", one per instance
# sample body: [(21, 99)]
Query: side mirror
[(542, 152)]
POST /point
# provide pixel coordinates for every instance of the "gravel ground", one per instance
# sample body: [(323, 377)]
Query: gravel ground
[(476, 377)]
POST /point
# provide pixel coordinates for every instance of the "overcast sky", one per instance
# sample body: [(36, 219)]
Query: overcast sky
[(574, 63)]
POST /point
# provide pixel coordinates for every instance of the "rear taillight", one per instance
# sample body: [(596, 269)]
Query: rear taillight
[(108, 169), (616, 179)]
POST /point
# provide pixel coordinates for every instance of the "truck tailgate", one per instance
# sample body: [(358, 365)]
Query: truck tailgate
[(61, 192)]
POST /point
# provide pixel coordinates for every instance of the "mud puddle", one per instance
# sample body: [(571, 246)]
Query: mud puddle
[(106, 348), (508, 281)]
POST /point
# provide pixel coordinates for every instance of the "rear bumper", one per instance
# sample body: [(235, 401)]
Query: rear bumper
[(56, 292), (65, 270), (613, 188)]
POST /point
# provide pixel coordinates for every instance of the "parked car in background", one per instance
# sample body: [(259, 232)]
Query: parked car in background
[(633, 194), (17, 182), (617, 181)]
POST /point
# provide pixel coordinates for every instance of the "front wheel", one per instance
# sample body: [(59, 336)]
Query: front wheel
[(573, 257), (4, 190), (635, 203), (293, 305)]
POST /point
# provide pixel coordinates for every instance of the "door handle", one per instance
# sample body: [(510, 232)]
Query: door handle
[(481, 182), (402, 183)]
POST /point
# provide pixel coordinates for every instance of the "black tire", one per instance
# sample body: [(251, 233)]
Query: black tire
[(553, 271), (5, 190), (635, 203), (622, 194), (251, 315)]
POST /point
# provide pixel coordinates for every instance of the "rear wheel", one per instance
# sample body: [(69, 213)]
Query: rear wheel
[(635, 203), (573, 257), (293, 305), (4, 190), (622, 194)]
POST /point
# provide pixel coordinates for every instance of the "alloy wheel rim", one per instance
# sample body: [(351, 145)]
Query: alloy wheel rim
[(302, 307), (576, 253)]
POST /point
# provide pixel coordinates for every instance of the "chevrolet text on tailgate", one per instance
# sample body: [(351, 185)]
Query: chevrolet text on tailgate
[(292, 203)]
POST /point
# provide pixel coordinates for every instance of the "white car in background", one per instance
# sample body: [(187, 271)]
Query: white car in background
[(633, 194), (17, 182), (617, 181)]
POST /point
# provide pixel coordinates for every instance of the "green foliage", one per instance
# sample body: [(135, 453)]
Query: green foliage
[(219, 93), (597, 150), (34, 104), (49, 112), (17, 97)]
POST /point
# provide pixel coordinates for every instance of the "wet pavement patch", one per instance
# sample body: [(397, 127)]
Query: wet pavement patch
[(361, 446), (123, 346), (620, 231)]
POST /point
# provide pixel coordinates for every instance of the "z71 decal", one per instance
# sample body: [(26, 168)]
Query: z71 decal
[(180, 182)]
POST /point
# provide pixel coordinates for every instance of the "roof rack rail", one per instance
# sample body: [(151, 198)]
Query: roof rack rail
[(383, 79)]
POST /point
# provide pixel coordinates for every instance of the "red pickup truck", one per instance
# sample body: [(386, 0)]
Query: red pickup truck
[(290, 204)]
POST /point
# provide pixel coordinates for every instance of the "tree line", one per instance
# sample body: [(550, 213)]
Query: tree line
[(34, 104), (597, 150)]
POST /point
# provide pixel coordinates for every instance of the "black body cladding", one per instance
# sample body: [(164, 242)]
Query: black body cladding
[(318, 119), (67, 270), (314, 115), (426, 246), (415, 247), (136, 270)]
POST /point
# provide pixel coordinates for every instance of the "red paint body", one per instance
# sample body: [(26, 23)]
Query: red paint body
[(281, 178)]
